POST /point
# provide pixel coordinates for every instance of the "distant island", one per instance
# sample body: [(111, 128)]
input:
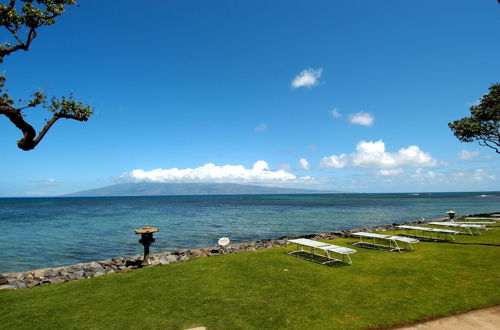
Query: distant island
[(172, 189)]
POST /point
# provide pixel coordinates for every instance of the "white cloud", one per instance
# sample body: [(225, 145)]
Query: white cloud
[(261, 127), (307, 78), (335, 113), (394, 172), (210, 173), (465, 154), (304, 164), (362, 118), (480, 175), (390, 175), (46, 182), (334, 161), (285, 167), (475, 175), (421, 175), (373, 155)]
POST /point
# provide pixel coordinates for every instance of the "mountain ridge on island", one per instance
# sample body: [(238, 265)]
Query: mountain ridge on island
[(177, 189)]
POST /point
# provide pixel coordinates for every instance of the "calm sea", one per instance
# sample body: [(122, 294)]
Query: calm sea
[(47, 232)]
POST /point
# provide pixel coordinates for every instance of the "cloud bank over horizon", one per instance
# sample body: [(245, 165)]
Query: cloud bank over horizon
[(260, 173)]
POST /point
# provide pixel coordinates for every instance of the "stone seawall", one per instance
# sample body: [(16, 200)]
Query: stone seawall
[(98, 268)]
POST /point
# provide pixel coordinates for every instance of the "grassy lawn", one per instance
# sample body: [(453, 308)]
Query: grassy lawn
[(268, 289)]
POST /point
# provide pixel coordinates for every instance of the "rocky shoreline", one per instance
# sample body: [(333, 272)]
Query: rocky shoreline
[(80, 271)]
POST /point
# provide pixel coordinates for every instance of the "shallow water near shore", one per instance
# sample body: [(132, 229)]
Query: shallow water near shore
[(48, 232)]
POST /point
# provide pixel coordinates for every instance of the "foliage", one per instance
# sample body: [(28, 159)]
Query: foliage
[(22, 19), (268, 289), (483, 125)]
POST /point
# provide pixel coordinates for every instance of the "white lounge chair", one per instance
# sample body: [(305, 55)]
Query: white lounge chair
[(424, 230), (303, 243), (391, 239), (484, 223), (468, 228), (481, 218)]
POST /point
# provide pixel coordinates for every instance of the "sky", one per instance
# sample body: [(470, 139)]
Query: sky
[(352, 96)]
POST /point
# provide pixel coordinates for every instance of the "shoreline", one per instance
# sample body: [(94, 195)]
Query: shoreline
[(74, 272)]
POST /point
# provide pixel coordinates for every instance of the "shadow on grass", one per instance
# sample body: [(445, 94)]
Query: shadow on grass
[(437, 240), (332, 263), (425, 238), (462, 243)]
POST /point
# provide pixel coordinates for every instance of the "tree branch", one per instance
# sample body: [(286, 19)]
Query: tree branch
[(14, 32), (66, 108), (15, 116), (22, 20), (31, 17), (485, 143), (51, 122)]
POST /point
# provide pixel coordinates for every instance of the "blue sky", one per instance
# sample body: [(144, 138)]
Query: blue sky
[(331, 95)]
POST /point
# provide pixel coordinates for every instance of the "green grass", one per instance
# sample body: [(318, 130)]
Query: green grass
[(268, 289)]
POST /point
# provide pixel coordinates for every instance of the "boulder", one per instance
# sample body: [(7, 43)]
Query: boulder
[(88, 273), (19, 284), (163, 261), (99, 273), (3, 280), (171, 258)]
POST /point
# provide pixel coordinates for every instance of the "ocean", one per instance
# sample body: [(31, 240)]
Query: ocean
[(48, 232)]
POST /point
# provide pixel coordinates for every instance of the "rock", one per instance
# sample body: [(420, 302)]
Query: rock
[(163, 261), (49, 274), (19, 284), (196, 253), (76, 274), (171, 258), (88, 273), (32, 284), (99, 273), (3, 280), (57, 280)]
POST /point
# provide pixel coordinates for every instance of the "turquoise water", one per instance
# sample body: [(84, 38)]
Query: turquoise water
[(47, 232)]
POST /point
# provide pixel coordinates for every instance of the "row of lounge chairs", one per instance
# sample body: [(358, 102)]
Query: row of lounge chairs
[(323, 251)]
